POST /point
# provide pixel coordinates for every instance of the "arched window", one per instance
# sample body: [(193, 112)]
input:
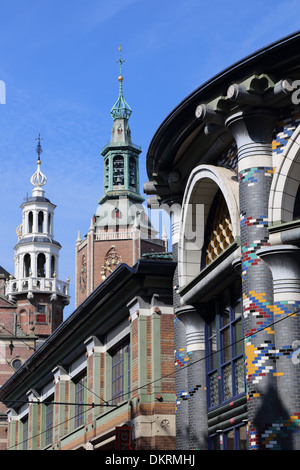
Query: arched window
[(118, 171), (106, 176), (132, 171), (41, 261), (116, 213), (40, 221), (218, 231), (30, 222), (52, 265), (49, 224), (27, 265)]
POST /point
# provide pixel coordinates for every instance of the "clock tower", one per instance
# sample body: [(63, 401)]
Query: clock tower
[(120, 230)]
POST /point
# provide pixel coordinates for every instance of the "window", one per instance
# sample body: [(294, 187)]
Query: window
[(30, 222), (116, 214), (49, 224), (230, 439), (52, 265), (225, 357), (118, 170), (41, 314), (27, 265), (132, 171), (41, 262), (40, 221), (121, 374), (80, 387), (49, 422), (16, 363), (218, 234)]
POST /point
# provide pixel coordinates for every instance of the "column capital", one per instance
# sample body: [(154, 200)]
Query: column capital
[(284, 262), (252, 129), (194, 324)]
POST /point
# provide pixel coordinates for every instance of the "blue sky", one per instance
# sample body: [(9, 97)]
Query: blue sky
[(58, 62)]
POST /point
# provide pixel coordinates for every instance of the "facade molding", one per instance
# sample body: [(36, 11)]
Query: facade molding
[(203, 184), (285, 182)]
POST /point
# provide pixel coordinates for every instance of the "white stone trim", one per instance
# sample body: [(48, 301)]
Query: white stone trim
[(201, 188), (285, 181)]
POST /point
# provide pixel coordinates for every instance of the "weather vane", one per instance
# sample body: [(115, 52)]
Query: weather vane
[(120, 60), (39, 147)]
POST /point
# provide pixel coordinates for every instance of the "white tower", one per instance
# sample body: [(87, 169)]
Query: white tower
[(37, 255)]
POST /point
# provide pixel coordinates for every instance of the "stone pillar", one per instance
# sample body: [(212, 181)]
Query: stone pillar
[(252, 130), (284, 262), (195, 394), (48, 265), (12, 433), (95, 353), (181, 376), (61, 413), (33, 422)]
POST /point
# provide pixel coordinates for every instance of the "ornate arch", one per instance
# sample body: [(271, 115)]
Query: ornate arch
[(202, 187), (285, 182)]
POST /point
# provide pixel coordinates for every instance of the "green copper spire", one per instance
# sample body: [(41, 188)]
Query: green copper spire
[(120, 110)]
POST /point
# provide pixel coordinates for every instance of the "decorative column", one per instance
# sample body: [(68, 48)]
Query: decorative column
[(62, 414), (95, 369), (181, 356), (252, 130), (33, 422), (284, 262), (195, 394)]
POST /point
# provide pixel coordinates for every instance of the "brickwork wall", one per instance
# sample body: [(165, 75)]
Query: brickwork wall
[(254, 187), (181, 377)]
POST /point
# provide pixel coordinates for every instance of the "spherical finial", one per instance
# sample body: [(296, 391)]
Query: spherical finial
[(120, 78)]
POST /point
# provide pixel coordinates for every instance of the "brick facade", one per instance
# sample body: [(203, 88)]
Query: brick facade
[(147, 403)]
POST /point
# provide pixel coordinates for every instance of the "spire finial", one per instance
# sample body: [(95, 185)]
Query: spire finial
[(38, 179), (120, 109), (120, 61), (39, 147)]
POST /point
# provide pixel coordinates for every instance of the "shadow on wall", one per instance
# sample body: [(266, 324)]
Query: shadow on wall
[(274, 427)]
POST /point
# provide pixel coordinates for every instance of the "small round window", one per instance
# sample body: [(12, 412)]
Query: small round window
[(16, 363)]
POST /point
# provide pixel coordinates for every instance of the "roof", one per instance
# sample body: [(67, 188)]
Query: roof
[(97, 313), (181, 130)]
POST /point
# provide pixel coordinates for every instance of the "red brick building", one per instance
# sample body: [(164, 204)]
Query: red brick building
[(110, 365)]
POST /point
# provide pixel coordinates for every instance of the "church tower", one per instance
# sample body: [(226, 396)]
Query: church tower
[(38, 293), (120, 231)]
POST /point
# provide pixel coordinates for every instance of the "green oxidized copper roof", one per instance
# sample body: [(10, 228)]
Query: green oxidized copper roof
[(120, 110)]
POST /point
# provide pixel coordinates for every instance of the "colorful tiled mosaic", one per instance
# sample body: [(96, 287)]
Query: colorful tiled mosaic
[(256, 304), (259, 358), (181, 358), (250, 221), (285, 129), (271, 437), (183, 395), (249, 175), (249, 256), (230, 158)]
